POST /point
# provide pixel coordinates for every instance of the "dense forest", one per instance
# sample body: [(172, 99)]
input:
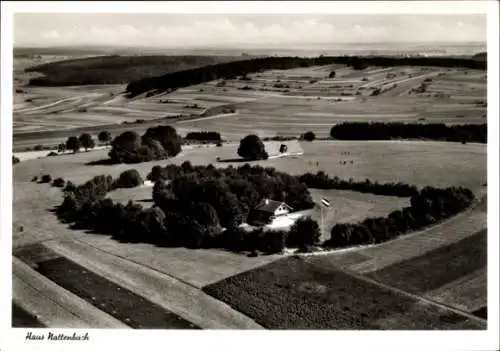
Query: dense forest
[(115, 69)]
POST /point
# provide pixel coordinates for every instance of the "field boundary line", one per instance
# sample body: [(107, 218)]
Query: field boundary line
[(405, 293), (70, 299), (215, 305)]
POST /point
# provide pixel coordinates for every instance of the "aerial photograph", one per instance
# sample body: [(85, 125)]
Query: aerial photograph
[(249, 171)]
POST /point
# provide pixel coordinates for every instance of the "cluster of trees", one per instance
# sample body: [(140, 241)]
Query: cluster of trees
[(194, 207), (74, 143), (386, 131), (234, 69), (252, 148), (157, 143), (321, 180), (203, 136), (15, 160), (428, 206)]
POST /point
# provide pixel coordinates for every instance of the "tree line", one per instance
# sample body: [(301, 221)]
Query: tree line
[(392, 130), (231, 70), (428, 206), (322, 180), (203, 136)]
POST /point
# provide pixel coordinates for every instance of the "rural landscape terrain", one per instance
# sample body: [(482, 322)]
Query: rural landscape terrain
[(138, 182)]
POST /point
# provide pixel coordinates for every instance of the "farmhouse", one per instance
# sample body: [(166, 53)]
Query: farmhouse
[(268, 210)]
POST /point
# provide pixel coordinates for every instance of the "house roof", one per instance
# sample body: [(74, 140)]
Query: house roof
[(271, 206)]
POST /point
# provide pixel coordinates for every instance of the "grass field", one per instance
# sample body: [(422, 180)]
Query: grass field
[(293, 294)]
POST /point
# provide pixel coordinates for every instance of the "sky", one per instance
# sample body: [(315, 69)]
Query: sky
[(193, 30)]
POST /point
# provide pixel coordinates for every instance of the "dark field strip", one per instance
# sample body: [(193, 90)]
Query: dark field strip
[(24, 319), (34, 253), (293, 294), (437, 267), (117, 301), (481, 312)]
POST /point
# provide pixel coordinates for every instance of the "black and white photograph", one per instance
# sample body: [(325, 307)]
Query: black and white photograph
[(181, 169)]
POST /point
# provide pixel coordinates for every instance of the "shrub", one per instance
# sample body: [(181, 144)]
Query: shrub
[(309, 136), (305, 231), (15, 160), (52, 153), (34, 179), (58, 182), (129, 179), (61, 147), (252, 148), (46, 178), (332, 74), (219, 144), (38, 148)]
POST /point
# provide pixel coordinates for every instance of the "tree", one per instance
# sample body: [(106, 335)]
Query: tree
[(309, 136), (332, 74), (168, 138), (129, 179), (61, 147), (87, 141), (104, 137), (73, 143), (15, 160), (125, 148), (156, 174), (305, 231), (252, 148)]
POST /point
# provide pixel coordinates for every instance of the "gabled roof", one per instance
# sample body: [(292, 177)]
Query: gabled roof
[(270, 206)]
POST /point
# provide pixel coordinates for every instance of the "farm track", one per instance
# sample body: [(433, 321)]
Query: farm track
[(182, 298), (53, 305)]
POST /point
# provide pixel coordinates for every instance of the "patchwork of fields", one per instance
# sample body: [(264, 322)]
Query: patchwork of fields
[(274, 102), (432, 279)]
